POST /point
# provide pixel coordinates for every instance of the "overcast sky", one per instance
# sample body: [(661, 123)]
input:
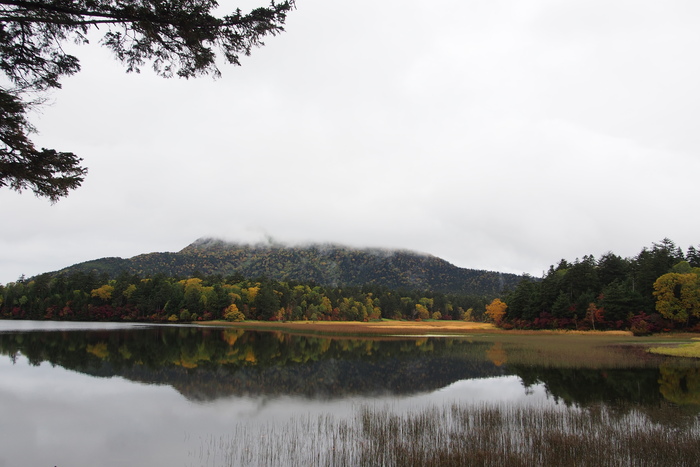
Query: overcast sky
[(501, 135)]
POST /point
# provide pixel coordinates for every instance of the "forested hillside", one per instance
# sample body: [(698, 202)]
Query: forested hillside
[(88, 296), (326, 265), (659, 289), (211, 279)]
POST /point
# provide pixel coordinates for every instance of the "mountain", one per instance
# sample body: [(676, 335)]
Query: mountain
[(329, 265)]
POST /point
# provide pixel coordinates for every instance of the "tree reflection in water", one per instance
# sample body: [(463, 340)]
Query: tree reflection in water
[(205, 363)]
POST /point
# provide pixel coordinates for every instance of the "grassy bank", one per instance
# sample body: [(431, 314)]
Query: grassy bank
[(691, 350), (383, 327), (393, 327)]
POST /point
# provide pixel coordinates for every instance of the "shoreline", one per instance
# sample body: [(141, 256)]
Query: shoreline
[(395, 328)]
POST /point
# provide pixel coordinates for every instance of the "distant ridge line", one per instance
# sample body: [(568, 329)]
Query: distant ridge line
[(325, 264)]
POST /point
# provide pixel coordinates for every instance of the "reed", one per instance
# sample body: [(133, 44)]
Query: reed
[(462, 435)]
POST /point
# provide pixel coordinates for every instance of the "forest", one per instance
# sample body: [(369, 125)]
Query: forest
[(657, 290), (89, 296)]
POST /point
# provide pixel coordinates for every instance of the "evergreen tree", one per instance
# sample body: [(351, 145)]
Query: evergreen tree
[(267, 302), (177, 37)]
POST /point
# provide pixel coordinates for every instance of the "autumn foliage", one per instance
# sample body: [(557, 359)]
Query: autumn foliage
[(92, 297), (678, 296), (496, 310)]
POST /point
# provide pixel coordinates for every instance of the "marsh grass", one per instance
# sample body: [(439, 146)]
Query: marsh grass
[(461, 435), (570, 350), (691, 350)]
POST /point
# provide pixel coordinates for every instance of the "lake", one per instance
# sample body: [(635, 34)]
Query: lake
[(87, 394)]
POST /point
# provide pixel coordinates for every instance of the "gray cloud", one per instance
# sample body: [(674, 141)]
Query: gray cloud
[(501, 135)]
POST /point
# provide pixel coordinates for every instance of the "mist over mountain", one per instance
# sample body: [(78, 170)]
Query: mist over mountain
[(323, 264)]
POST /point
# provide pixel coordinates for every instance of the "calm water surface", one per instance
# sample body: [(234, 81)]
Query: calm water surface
[(86, 394)]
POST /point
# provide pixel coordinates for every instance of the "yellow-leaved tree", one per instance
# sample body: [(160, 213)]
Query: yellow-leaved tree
[(422, 312), (104, 292), (231, 313), (678, 296), (496, 310)]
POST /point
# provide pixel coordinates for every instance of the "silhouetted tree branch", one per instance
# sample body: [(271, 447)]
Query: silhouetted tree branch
[(177, 37)]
